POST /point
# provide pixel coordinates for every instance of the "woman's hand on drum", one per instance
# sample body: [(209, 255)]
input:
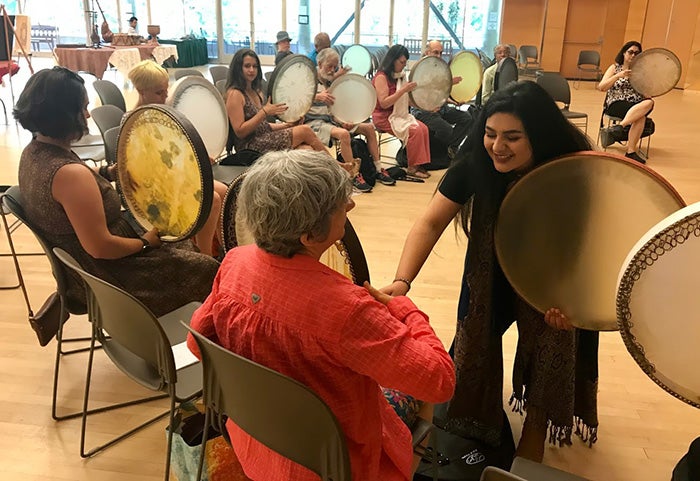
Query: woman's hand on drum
[(152, 237), (556, 319), (408, 87), (379, 295), (456, 80), (624, 73), (274, 109), (325, 97)]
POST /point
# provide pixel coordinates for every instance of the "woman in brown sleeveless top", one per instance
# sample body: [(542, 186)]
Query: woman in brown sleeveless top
[(78, 210)]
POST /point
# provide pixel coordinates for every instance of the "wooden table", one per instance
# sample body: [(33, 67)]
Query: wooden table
[(95, 60)]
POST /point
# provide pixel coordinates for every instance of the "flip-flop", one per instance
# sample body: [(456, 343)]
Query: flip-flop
[(420, 174)]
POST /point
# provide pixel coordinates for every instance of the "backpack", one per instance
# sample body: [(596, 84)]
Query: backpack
[(462, 459), (367, 167)]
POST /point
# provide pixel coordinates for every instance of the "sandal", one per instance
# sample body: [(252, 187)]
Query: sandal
[(420, 173)]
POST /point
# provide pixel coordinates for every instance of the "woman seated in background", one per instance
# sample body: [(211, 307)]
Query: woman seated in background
[(78, 210), (151, 82), (247, 111), (624, 102), (276, 304), (391, 113)]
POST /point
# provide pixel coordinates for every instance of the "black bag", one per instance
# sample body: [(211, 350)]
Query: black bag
[(461, 459), (245, 157), (402, 157), (367, 167), (48, 319)]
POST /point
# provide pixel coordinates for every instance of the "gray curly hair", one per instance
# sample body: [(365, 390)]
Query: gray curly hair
[(287, 194), (327, 54)]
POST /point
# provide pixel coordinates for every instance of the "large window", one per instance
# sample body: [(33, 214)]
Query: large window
[(68, 15), (235, 17)]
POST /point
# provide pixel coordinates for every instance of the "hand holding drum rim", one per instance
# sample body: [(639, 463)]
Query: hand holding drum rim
[(153, 238), (274, 109), (557, 320)]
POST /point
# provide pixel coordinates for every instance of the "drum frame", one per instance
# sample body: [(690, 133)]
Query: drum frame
[(349, 246), (369, 57), (356, 78), (280, 69), (201, 156), (413, 73), (593, 154), (645, 257), (481, 74), (193, 80), (650, 52)]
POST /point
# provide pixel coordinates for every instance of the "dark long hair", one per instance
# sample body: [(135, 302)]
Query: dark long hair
[(550, 134), (620, 57), (52, 104), (235, 71), (387, 65)]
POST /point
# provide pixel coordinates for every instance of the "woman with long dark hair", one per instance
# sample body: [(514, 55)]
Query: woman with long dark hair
[(624, 102), (555, 371), (391, 112), (248, 112)]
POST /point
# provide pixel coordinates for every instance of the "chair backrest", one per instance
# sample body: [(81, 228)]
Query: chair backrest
[(557, 86), (276, 410), (184, 72), (221, 87), (492, 473), (588, 57), (106, 117), (527, 52), (218, 72), (12, 200), (109, 94), (129, 333), (110, 137)]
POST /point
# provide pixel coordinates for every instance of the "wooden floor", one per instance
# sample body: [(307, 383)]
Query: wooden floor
[(643, 431)]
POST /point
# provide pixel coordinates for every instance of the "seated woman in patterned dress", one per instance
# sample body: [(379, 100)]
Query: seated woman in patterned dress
[(623, 101), (247, 111), (77, 209)]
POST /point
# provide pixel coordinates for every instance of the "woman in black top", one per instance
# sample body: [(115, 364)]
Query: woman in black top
[(555, 371)]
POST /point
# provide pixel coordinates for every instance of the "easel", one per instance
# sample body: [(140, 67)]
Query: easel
[(9, 26)]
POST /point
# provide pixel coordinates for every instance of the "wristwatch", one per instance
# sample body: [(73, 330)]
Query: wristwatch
[(146, 245)]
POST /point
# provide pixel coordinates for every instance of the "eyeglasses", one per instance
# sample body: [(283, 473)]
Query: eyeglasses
[(633, 52)]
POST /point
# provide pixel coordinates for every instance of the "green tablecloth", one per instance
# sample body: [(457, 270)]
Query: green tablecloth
[(190, 52)]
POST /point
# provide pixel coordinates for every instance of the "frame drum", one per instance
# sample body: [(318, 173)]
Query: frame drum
[(657, 300), (163, 172), (358, 59), (434, 79), (355, 98), (655, 72), (293, 82), (468, 66), (198, 100), (564, 229), (345, 257), (506, 72)]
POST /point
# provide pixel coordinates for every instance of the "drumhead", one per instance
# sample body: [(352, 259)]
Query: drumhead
[(355, 98), (656, 301), (655, 72), (163, 172), (564, 229), (293, 82), (198, 100), (358, 59), (506, 72), (345, 256), (434, 79), (468, 66)]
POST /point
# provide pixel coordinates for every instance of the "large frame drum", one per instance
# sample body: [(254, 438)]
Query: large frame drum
[(293, 82), (163, 172), (434, 79), (565, 228), (345, 257), (655, 72), (657, 300)]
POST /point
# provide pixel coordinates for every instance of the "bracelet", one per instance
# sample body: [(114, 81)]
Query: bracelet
[(405, 281), (264, 111)]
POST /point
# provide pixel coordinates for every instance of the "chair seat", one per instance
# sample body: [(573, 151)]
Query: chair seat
[(573, 115)]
